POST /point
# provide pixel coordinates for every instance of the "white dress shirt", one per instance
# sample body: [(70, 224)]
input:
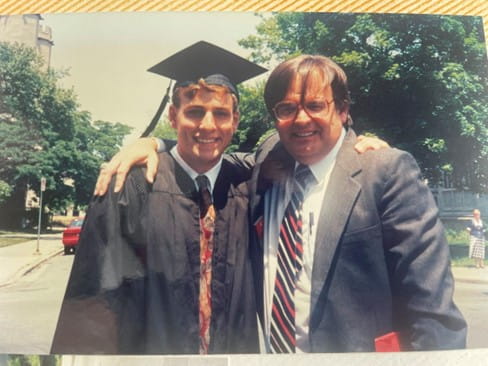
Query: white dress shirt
[(275, 203), (210, 174)]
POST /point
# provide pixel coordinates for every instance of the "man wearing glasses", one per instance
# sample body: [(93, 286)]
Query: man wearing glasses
[(348, 248)]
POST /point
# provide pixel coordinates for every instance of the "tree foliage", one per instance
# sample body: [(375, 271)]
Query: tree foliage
[(164, 130), (420, 82), (43, 133), (254, 118), (34, 360), (5, 190)]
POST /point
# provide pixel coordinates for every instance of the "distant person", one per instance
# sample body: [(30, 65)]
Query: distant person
[(476, 230)]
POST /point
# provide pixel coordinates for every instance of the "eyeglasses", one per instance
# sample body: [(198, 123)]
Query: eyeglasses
[(287, 111)]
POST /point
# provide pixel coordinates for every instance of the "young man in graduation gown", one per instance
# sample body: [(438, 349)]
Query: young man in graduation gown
[(164, 268)]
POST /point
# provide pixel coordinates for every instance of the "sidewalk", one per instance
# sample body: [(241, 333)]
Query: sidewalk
[(18, 259), (470, 274)]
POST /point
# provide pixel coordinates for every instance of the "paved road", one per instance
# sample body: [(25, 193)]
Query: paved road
[(29, 308), (472, 300)]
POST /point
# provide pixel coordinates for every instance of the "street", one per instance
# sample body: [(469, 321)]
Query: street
[(472, 300), (29, 308)]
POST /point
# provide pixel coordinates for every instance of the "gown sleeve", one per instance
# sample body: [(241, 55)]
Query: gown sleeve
[(102, 308)]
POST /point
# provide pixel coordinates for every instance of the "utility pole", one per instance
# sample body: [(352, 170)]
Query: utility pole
[(43, 188)]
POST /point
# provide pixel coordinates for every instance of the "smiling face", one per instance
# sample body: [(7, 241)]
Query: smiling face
[(309, 97), (205, 121), (310, 136)]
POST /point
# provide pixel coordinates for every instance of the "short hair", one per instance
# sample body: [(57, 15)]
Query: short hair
[(305, 65), (191, 90)]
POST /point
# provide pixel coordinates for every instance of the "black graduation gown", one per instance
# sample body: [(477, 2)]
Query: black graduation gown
[(134, 284)]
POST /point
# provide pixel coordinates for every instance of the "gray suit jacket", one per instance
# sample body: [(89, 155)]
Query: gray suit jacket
[(381, 260)]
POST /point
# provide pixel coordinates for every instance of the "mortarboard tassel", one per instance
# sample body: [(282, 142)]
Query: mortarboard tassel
[(157, 116)]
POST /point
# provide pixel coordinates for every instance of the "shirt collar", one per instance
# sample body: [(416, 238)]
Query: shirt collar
[(320, 168), (211, 174)]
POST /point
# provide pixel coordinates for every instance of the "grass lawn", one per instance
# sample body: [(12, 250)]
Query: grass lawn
[(458, 240), (16, 237), (459, 256), (464, 262)]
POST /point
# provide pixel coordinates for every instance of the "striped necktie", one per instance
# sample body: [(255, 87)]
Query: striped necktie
[(290, 255), (207, 220)]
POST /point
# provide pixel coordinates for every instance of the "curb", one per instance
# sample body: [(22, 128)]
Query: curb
[(31, 266), (28, 268), (470, 275), (471, 280)]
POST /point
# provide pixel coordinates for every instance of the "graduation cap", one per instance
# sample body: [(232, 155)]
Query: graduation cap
[(203, 60)]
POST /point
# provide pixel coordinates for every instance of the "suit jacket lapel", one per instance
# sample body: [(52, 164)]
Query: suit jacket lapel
[(340, 197), (274, 168)]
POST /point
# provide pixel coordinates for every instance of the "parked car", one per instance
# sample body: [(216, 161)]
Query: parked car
[(71, 235)]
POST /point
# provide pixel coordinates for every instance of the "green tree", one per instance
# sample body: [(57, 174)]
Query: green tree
[(34, 360), (254, 118), (93, 143), (420, 82), (164, 130), (5, 190), (44, 134)]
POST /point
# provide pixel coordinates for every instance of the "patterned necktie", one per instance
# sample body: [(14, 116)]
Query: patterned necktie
[(290, 255), (207, 220)]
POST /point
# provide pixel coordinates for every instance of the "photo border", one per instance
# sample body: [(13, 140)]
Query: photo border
[(446, 7), (439, 7)]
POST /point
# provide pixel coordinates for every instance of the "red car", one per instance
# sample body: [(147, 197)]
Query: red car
[(71, 235)]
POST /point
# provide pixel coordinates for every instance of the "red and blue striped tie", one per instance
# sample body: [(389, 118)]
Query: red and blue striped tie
[(290, 255)]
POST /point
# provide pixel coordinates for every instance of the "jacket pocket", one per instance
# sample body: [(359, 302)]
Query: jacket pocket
[(366, 234)]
